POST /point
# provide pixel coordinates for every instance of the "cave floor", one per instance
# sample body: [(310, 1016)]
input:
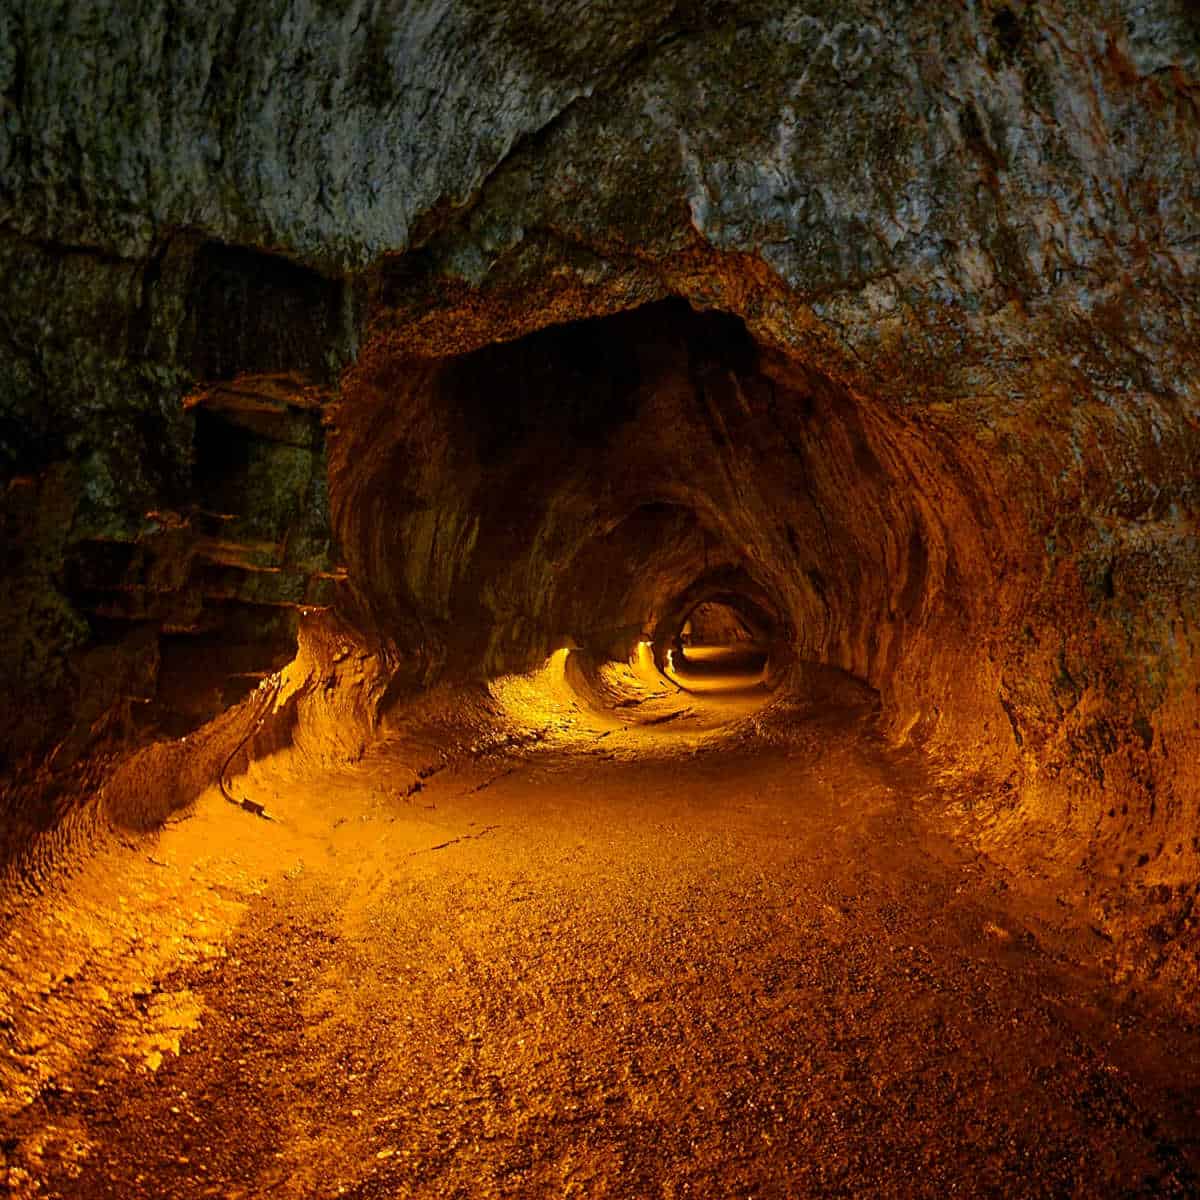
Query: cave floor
[(656, 960)]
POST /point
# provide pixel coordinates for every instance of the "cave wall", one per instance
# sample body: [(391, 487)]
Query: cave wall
[(161, 533), (962, 239), (712, 623)]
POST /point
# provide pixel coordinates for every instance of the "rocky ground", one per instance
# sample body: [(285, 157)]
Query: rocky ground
[(691, 947)]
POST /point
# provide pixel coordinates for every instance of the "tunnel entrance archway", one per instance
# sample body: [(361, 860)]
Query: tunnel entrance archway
[(725, 621), (713, 623), (593, 482), (718, 635), (719, 648)]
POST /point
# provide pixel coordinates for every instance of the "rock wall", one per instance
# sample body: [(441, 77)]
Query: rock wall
[(715, 624), (953, 448), (161, 536)]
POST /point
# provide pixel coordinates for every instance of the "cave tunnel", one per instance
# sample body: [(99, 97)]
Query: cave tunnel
[(569, 634)]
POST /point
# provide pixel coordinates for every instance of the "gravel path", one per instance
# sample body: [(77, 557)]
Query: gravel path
[(619, 968)]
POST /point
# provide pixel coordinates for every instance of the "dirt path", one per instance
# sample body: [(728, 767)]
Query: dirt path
[(618, 967)]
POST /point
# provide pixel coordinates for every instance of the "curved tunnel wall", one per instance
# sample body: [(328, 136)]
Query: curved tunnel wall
[(593, 482)]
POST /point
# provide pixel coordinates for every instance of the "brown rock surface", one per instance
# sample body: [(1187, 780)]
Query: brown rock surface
[(444, 336)]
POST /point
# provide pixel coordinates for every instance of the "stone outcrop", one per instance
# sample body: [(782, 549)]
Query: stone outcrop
[(882, 318), (162, 532)]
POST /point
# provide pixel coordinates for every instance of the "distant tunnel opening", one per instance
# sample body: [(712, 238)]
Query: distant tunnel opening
[(718, 649), (608, 481), (712, 623)]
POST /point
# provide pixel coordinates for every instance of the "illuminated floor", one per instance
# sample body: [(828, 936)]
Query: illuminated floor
[(636, 956), (719, 669)]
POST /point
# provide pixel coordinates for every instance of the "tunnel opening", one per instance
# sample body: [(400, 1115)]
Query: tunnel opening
[(600, 469), (588, 491), (713, 623), (718, 649)]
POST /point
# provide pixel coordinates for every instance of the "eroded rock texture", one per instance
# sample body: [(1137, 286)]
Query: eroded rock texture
[(898, 344)]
